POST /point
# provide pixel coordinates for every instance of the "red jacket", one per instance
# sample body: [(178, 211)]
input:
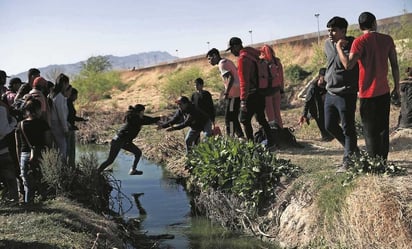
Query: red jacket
[(247, 71)]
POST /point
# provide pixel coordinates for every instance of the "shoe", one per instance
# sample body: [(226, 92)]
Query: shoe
[(327, 138), (135, 172), (343, 168)]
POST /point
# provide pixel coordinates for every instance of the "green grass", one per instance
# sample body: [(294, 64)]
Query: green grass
[(58, 223)]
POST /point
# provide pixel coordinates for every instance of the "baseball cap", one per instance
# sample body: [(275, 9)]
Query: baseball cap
[(234, 41), (182, 100), (40, 82)]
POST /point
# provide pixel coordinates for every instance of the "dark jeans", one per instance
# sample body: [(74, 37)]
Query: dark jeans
[(340, 121), (375, 120), (255, 106), (115, 146), (232, 117)]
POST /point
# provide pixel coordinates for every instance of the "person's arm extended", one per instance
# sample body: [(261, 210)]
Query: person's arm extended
[(347, 61)]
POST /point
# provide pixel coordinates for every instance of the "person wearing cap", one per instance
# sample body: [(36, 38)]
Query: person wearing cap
[(314, 104), (32, 73), (188, 115), (10, 95), (251, 102), (39, 91), (371, 52), (228, 72), (341, 96), (133, 122)]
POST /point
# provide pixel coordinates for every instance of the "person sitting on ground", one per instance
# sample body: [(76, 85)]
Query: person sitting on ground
[(134, 120), (192, 117), (314, 105), (405, 114)]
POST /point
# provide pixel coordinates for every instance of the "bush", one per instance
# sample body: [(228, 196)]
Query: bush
[(295, 73), (244, 169), (93, 86), (181, 82)]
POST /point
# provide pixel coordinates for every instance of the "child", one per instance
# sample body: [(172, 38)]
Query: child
[(31, 139), (134, 120)]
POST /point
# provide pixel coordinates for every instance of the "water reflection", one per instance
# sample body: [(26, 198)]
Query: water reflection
[(167, 207)]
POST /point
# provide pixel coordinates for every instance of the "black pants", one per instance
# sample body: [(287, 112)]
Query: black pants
[(375, 119), (340, 121), (232, 117), (115, 146), (255, 106)]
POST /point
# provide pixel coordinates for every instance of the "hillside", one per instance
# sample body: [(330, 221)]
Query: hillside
[(297, 218)]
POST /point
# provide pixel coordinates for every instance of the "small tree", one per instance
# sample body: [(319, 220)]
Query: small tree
[(96, 64)]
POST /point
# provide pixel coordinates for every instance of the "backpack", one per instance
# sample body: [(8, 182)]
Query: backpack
[(283, 137), (266, 73)]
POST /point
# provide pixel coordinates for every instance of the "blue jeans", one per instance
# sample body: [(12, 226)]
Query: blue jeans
[(375, 120), (340, 121), (31, 181), (193, 136)]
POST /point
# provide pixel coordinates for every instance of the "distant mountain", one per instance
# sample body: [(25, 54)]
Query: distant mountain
[(118, 63)]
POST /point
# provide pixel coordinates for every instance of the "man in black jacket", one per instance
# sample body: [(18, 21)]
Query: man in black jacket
[(192, 117), (314, 104)]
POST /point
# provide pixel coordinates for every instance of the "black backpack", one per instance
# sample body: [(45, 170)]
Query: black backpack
[(283, 137)]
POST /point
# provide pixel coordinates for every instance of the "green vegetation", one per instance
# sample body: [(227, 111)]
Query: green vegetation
[(95, 82), (243, 169), (295, 74), (180, 82)]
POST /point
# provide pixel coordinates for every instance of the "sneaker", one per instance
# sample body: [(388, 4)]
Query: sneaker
[(327, 138), (343, 168), (135, 172)]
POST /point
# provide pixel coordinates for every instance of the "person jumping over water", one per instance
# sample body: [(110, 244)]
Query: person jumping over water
[(134, 120)]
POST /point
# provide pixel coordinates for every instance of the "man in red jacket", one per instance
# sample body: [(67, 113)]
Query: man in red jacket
[(251, 102)]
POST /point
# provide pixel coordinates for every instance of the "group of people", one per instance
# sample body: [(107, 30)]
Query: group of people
[(34, 116), (355, 68)]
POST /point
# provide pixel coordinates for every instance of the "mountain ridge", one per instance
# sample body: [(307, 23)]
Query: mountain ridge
[(127, 62)]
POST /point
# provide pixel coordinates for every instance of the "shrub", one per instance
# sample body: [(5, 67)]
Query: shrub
[(244, 169), (295, 73), (180, 83)]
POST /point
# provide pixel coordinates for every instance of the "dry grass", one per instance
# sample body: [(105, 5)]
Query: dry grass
[(378, 214)]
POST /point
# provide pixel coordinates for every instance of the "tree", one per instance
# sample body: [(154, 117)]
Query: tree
[(96, 64)]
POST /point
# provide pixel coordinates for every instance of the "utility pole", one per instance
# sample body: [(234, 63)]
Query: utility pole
[(251, 39), (317, 18)]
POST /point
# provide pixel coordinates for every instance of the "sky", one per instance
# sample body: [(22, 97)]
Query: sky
[(45, 32)]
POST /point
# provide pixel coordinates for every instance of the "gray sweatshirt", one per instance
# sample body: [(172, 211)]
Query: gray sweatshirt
[(339, 80)]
